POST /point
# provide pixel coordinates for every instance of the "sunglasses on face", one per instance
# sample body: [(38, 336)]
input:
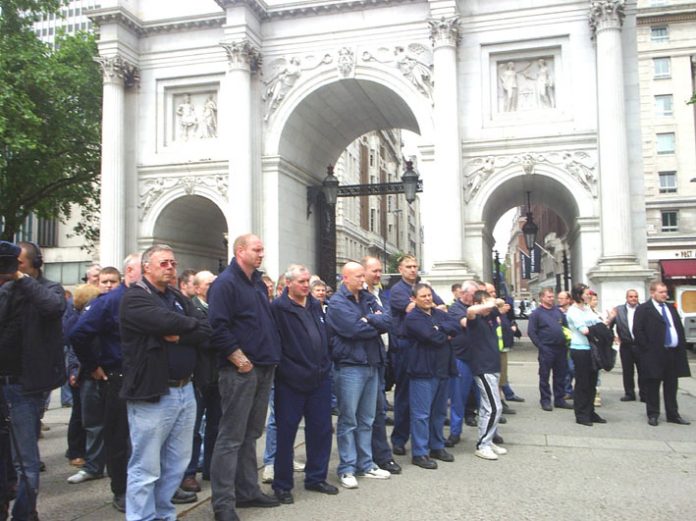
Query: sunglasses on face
[(168, 262)]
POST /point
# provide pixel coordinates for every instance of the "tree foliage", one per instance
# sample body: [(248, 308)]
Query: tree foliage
[(50, 114)]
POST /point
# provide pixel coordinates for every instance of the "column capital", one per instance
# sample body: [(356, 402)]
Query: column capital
[(444, 32), (117, 70), (242, 55), (606, 14)]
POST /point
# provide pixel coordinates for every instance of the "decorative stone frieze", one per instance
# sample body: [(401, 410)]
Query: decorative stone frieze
[(152, 190), (606, 14), (243, 55), (444, 31), (116, 69)]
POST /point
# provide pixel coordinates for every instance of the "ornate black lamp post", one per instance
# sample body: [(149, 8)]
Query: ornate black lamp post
[(530, 228)]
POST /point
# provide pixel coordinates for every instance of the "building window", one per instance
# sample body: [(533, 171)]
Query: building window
[(373, 219), (665, 143), (47, 233), (663, 105), (372, 158), (668, 182), (661, 68), (669, 221), (659, 34)]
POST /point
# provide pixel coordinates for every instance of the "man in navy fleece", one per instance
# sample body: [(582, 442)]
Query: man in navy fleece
[(248, 344), (545, 329)]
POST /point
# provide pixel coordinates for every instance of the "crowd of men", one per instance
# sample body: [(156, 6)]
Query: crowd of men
[(149, 356)]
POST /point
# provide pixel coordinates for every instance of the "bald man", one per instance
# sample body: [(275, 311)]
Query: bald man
[(356, 320)]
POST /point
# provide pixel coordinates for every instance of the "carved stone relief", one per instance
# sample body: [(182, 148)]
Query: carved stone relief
[(577, 163), (151, 190), (526, 84), (414, 62), (195, 116)]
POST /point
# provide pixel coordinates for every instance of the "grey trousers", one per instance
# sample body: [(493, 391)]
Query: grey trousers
[(233, 471)]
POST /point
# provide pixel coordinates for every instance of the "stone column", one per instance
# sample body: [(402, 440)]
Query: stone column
[(442, 210), (618, 267), (118, 74), (606, 19), (243, 60)]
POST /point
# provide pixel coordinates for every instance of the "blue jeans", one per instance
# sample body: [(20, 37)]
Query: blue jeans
[(93, 400), (428, 403), (161, 436), (356, 389), (460, 386), (381, 450), (25, 413), (269, 452)]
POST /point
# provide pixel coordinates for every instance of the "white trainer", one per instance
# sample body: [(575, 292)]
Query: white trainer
[(268, 474), (500, 451), (486, 453), (375, 473), (298, 466), (348, 481), (81, 476)]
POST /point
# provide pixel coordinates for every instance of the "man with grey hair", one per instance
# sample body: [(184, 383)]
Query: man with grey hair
[(92, 275), (302, 386), (160, 335), (246, 338)]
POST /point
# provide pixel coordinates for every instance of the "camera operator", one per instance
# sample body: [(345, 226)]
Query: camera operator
[(31, 360)]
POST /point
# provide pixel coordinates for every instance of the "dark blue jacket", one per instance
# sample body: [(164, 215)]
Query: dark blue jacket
[(399, 299), (303, 364), (483, 340), (506, 329), (545, 328), (241, 318), (100, 320), (430, 353), (355, 341), (460, 342)]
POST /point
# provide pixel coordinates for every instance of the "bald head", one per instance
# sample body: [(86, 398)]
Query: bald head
[(353, 275), (490, 288), (249, 252), (373, 271)]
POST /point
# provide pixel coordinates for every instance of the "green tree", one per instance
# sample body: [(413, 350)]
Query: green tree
[(50, 114)]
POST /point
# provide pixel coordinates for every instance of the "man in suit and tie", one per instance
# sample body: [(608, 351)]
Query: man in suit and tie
[(659, 335), (623, 320)]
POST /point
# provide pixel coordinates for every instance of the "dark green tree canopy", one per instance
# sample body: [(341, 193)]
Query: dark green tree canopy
[(50, 115)]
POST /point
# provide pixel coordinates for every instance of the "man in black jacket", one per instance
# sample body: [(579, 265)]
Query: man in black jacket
[(660, 339), (623, 320), (160, 335), (31, 362)]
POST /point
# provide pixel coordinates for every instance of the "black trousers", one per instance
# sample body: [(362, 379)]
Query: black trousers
[(669, 389), (116, 435), (585, 384), (630, 364)]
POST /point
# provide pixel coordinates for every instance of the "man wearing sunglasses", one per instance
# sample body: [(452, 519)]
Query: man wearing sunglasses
[(160, 335)]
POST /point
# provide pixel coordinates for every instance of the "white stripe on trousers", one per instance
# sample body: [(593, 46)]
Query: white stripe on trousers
[(490, 408)]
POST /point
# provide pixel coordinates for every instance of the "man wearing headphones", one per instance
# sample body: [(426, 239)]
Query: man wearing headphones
[(31, 364)]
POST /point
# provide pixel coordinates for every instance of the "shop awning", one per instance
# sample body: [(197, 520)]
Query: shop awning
[(678, 269)]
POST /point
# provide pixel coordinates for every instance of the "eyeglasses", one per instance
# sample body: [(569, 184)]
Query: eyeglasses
[(168, 262)]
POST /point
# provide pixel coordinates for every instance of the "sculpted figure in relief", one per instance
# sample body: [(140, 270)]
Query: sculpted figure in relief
[(410, 63), (475, 178), (210, 117), (544, 85), (281, 83), (188, 120)]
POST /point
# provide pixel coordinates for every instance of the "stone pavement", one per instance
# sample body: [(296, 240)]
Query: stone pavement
[(555, 469)]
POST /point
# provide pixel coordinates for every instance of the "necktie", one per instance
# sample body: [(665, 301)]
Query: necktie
[(668, 331)]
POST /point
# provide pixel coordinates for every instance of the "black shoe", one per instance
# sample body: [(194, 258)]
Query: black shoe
[(452, 440), (498, 439), (563, 405), (546, 407), (471, 421), (442, 455), (502, 420), (586, 423), (390, 466), (284, 496), (628, 398), (507, 409), (261, 501), (119, 502), (424, 462), (226, 516), (596, 418), (181, 497), (398, 450), (325, 488), (515, 398), (334, 411), (652, 421), (388, 420), (447, 422), (678, 420), (42, 466)]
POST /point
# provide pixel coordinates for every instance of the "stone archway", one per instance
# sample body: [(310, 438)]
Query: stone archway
[(197, 230)]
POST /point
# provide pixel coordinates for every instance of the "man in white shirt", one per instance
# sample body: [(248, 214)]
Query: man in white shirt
[(623, 321)]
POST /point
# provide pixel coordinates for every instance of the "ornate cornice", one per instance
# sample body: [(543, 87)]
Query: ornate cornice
[(117, 69), (666, 14), (257, 6), (242, 54), (444, 31), (127, 19), (606, 14), (118, 16), (299, 9)]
